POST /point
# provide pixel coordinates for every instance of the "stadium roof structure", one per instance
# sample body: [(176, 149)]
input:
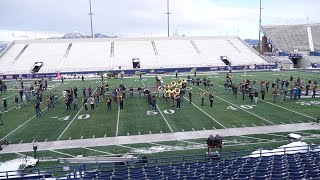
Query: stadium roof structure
[(293, 38)]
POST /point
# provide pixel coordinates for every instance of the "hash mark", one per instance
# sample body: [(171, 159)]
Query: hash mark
[(213, 128), (161, 132), (105, 135), (193, 129), (182, 130), (81, 137), (263, 124), (150, 132), (69, 138), (21, 142), (282, 123), (128, 134), (234, 126), (93, 136), (203, 128), (244, 125), (45, 140), (139, 133), (254, 125)]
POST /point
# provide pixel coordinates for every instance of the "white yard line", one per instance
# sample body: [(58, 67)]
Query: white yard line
[(207, 114), (62, 153), (118, 119), (164, 118), (18, 128), (289, 110), (280, 106), (73, 117), (238, 107), (103, 152), (27, 121)]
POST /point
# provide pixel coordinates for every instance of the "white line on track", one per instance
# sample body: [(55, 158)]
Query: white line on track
[(164, 118), (103, 152), (155, 144), (207, 114), (238, 107), (62, 153), (257, 138), (20, 154), (190, 142), (125, 146)]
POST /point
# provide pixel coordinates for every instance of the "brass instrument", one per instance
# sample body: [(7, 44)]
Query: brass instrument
[(177, 91), (167, 94), (184, 80), (173, 83), (179, 83)]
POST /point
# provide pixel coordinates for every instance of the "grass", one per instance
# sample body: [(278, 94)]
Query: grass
[(21, 126)]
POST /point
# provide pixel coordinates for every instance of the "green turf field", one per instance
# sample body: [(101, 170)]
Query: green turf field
[(22, 126)]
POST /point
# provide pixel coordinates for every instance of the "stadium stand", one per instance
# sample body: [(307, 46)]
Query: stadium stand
[(289, 164), (49, 53), (316, 36), (86, 55), (4, 46), (124, 51), (79, 55), (295, 40), (10, 57), (289, 37), (173, 51)]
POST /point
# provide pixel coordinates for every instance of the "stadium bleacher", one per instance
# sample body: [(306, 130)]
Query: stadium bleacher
[(289, 37), (4, 45), (76, 55)]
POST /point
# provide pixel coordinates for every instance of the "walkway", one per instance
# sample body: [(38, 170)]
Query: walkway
[(80, 143)]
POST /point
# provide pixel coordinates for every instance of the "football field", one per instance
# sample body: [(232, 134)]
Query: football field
[(137, 118)]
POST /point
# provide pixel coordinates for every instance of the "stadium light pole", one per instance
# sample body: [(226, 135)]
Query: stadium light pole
[(259, 28), (90, 14), (168, 18)]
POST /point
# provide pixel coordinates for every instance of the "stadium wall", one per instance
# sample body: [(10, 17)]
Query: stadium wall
[(143, 71)]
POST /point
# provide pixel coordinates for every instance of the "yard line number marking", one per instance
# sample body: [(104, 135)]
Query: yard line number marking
[(66, 118), (154, 112)]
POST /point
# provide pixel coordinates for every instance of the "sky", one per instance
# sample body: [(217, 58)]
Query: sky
[(131, 18)]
